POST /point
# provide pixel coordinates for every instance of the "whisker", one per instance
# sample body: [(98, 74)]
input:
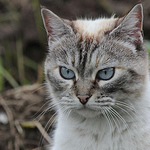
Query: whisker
[(120, 117), (133, 111), (126, 105), (68, 112), (41, 139), (41, 115), (112, 116), (108, 120), (44, 112), (34, 104), (123, 110), (124, 121), (39, 88), (39, 110)]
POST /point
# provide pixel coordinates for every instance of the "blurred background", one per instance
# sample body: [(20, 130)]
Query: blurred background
[(23, 43), (23, 47)]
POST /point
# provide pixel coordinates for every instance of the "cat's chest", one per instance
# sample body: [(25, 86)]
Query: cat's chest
[(98, 134), (92, 136), (99, 140), (91, 141)]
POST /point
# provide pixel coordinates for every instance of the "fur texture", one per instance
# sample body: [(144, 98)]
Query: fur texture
[(116, 114)]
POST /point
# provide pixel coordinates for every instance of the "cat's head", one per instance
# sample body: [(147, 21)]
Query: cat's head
[(95, 65)]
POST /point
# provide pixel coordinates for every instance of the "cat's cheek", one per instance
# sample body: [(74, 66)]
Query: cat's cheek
[(68, 84)]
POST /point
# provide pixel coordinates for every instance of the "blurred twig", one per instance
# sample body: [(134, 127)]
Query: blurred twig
[(37, 124), (40, 73), (20, 60), (9, 114), (30, 63), (1, 77), (8, 77), (10, 118), (37, 18)]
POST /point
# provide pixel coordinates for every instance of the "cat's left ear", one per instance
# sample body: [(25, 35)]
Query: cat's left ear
[(131, 26), (54, 25)]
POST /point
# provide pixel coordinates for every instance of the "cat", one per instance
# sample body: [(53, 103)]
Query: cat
[(97, 76)]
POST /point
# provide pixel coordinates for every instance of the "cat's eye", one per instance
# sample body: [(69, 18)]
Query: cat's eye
[(105, 74), (67, 73)]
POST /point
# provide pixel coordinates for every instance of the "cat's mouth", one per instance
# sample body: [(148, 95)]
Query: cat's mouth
[(96, 108), (88, 112), (98, 105)]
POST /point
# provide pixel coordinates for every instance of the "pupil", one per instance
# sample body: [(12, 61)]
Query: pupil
[(67, 71), (105, 72)]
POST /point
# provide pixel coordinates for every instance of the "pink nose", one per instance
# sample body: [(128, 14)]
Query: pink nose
[(83, 98)]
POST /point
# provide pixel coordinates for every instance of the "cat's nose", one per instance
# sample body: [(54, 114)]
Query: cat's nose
[(83, 98)]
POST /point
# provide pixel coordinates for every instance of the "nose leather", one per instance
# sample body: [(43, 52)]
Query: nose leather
[(83, 98)]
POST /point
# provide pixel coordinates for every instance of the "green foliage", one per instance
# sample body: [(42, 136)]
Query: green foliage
[(147, 44), (15, 68), (5, 74)]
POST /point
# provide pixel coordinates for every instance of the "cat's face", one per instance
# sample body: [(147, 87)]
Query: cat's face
[(93, 66)]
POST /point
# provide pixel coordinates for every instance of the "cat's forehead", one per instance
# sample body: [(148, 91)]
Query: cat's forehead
[(92, 28), (84, 52)]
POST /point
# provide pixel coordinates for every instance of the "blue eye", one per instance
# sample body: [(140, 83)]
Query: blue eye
[(105, 74), (67, 73)]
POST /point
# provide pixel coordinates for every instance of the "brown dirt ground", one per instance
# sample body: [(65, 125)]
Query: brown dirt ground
[(25, 129)]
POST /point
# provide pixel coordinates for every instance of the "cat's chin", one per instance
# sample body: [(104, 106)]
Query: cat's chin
[(88, 113)]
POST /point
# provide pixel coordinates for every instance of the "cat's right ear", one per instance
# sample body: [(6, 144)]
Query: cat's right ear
[(130, 27), (55, 26)]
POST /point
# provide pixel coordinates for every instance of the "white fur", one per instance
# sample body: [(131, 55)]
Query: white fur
[(78, 133), (93, 27)]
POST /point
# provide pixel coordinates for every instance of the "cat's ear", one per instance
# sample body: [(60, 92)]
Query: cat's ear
[(55, 26), (130, 28)]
